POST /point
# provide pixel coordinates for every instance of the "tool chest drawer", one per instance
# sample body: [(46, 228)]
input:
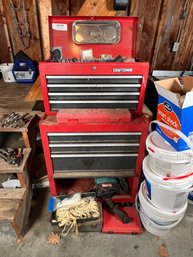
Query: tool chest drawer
[(94, 163), (82, 149), (94, 151), (93, 92)]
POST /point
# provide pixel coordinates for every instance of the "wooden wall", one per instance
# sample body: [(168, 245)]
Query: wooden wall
[(160, 26), (34, 50)]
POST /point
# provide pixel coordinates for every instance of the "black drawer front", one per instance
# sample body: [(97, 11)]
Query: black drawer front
[(97, 151), (93, 92), (93, 148), (95, 137), (111, 88), (91, 97), (93, 164)]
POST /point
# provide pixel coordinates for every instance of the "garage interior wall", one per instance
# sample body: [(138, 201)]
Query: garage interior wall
[(161, 24)]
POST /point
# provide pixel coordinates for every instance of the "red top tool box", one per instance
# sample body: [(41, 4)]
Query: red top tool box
[(93, 64)]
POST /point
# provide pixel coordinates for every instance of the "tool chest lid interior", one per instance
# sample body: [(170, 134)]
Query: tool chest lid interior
[(104, 35)]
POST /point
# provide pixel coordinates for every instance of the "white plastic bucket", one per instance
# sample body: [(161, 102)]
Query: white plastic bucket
[(160, 216), (164, 160), (168, 195), (154, 220), (6, 70), (153, 227)]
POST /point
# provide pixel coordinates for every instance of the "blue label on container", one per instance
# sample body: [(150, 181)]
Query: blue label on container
[(190, 196), (148, 185)]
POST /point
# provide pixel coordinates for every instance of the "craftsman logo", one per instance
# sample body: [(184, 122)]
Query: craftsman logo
[(122, 70), (167, 106)]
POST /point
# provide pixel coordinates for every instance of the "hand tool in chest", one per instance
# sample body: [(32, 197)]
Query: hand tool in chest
[(93, 90)]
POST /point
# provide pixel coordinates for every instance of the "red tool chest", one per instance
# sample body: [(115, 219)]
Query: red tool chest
[(94, 149), (76, 82), (90, 84)]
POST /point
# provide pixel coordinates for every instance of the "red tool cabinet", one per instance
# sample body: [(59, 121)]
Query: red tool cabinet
[(76, 83), (95, 135), (89, 149)]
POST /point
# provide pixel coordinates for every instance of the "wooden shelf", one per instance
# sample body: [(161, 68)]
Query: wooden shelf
[(15, 204), (7, 168), (22, 129), (11, 194)]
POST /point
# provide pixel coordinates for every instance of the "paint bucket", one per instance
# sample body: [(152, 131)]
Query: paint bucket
[(167, 194), (164, 160), (154, 220), (6, 70)]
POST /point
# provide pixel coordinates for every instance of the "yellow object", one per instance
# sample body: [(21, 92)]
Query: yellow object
[(67, 215)]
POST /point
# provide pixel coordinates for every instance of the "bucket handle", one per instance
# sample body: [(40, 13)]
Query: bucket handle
[(179, 177), (152, 221), (176, 131)]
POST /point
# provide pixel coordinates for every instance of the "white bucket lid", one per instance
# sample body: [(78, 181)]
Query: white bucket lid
[(161, 149), (149, 207), (182, 183)]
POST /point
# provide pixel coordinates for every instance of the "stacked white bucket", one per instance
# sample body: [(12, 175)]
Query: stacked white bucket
[(168, 180)]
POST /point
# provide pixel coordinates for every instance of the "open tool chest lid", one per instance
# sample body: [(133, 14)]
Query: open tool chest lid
[(93, 115), (102, 35)]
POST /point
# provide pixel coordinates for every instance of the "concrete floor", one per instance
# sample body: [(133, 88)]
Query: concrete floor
[(179, 242)]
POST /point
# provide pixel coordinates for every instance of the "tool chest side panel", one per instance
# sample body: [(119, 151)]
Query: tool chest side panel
[(43, 82)]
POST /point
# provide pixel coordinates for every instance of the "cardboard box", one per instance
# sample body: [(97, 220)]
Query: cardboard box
[(175, 108)]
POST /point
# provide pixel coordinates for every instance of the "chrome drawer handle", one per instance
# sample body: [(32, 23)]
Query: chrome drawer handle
[(96, 134), (91, 155), (94, 145)]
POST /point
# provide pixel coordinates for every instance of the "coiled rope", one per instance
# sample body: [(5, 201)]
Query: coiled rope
[(68, 215)]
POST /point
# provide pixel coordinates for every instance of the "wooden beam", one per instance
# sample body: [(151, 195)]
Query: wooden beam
[(44, 10), (97, 8), (183, 58), (169, 24), (75, 6), (148, 25), (5, 49), (60, 7), (21, 217)]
